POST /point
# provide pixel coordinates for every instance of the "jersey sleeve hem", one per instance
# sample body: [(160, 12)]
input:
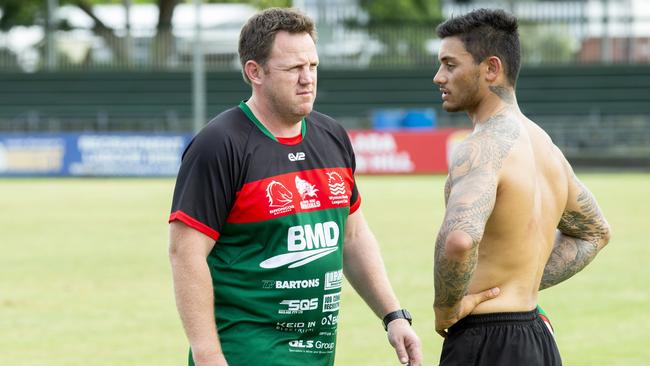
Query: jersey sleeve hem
[(355, 206), (194, 224)]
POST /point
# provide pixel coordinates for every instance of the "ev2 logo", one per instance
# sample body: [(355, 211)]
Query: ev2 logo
[(297, 156)]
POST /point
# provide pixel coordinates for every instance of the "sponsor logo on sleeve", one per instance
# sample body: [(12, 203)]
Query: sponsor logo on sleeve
[(331, 302), (333, 280)]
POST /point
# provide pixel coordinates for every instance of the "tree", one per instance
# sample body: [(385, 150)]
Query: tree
[(29, 12), (260, 4), (19, 12), (162, 41), (404, 27), (400, 12)]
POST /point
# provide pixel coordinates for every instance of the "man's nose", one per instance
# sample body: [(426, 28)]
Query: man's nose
[(438, 78), (307, 76)]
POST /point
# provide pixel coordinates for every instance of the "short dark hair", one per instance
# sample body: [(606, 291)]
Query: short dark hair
[(485, 33), (258, 34)]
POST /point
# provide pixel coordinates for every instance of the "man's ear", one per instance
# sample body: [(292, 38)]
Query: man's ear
[(494, 68), (254, 71)]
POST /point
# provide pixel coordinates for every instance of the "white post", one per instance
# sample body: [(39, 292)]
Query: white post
[(129, 39), (198, 79), (50, 31), (606, 40)]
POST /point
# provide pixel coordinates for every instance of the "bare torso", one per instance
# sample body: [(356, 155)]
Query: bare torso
[(520, 232)]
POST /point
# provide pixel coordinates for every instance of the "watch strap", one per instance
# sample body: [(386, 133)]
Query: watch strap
[(398, 314)]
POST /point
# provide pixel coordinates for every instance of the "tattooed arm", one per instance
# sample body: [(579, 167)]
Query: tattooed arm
[(471, 195), (582, 232)]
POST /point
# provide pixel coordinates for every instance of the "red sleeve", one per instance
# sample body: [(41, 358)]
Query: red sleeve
[(194, 224), (355, 206)]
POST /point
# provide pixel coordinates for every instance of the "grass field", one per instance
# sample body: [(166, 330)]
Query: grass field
[(85, 280)]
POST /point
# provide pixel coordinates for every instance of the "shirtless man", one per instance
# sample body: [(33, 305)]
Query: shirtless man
[(517, 218)]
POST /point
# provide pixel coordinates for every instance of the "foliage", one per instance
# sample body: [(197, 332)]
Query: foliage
[(260, 4), (402, 12), (20, 12), (404, 27), (539, 44), (29, 12)]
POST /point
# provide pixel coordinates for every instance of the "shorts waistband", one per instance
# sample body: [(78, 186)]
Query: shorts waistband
[(478, 320)]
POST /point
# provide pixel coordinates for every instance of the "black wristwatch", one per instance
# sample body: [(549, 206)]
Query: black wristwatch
[(398, 314)]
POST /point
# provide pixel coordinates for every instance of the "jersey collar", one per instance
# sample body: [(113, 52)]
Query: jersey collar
[(249, 113)]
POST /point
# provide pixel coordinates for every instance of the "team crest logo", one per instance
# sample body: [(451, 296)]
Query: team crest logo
[(338, 195), (305, 189), (280, 198), (278, 194), (336, 184), (307, 194)]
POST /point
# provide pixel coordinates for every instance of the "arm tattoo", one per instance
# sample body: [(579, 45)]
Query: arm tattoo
[(447, 190), (506, 94), (588, 223), (471, 194), (582, 234), (569, 256)]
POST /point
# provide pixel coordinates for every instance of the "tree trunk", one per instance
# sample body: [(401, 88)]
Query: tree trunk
[(114, 42)]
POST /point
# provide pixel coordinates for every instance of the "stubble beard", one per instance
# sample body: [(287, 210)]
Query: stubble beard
[(286, 109), (468, 98)]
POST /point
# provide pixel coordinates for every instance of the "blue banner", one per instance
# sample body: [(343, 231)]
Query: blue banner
[(96, 154)]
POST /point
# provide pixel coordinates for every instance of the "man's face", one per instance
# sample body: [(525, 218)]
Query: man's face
[(290, 74), (458, 76)]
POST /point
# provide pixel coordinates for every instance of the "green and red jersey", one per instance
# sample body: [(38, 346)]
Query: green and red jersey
[(277, 211)]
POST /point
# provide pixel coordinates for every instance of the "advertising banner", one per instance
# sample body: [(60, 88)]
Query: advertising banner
[(404, 151), (139, 155), (42, 154), (70, 154)]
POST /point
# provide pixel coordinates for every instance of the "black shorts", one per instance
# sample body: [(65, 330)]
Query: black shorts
[(508, 339)]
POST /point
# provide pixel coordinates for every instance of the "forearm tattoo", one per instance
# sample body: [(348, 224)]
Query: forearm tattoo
[(588, 223), (569, 256), (470, 194), (583, 233)]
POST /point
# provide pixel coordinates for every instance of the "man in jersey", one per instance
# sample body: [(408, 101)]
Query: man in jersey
[(517, 218), (266, 220)]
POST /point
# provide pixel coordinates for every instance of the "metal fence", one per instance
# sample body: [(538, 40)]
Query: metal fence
[(579, 32), (595, 136)]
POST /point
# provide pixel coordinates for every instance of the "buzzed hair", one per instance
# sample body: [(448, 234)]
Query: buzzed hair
[(485, 33), (258, 34)]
